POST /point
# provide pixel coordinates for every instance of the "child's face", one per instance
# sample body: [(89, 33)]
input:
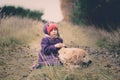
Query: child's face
[(54, 33)]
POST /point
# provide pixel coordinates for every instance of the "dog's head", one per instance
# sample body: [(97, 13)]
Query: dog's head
[(74, 56)]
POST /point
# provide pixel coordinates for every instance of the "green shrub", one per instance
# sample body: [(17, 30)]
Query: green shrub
[(111, 46), (9, 42), (79, 12), (103, 43)]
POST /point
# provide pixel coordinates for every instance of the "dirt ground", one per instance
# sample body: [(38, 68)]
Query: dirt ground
[(16, 63)]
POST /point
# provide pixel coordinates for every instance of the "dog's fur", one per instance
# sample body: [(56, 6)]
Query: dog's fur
[(73, 56)]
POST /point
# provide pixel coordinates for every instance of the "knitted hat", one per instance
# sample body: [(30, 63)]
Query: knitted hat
[(48, 27), (51, 26)]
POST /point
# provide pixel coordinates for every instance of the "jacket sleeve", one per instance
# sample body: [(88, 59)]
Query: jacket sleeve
[(61, 40), (47, 48)]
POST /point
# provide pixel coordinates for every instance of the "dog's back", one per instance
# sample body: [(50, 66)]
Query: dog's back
[(73, 56)]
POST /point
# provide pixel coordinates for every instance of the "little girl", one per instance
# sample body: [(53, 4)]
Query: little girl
[(50, 45)]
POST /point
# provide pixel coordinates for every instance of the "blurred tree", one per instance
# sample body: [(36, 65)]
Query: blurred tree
[(102, 13)]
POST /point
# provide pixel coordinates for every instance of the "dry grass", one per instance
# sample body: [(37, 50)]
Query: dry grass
[(93, 72), (26, 30), (78, 35), (86, 35), (23, 29)]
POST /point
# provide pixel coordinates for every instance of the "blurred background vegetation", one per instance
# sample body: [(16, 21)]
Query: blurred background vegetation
[(6, 11), (104, 14)]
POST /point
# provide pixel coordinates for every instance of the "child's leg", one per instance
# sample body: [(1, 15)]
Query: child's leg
[(36, 66)]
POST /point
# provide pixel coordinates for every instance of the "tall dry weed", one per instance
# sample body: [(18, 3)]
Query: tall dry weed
[(78, 35), (86, 35), (23, 29)]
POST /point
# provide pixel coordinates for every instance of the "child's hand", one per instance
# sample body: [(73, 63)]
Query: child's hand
[(59, 45)]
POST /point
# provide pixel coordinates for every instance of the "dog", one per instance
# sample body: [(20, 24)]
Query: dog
[(74, 57)]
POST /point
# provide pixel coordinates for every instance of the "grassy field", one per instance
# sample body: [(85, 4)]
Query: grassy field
[(18, 37)]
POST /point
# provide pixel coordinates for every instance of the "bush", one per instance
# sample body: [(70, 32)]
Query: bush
[(79, 12), (9, 42), (111, 46), (104, 43), (19, 11)]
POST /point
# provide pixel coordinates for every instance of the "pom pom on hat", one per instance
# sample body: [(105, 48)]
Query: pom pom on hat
[(51, 26)]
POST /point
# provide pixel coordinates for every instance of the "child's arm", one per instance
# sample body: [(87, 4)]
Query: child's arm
[(47, 48), (59, 45)]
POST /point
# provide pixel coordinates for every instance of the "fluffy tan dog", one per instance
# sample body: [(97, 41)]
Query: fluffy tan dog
[(73, 57)]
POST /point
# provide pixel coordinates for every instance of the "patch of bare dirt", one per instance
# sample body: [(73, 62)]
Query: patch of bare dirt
[(16, 63)]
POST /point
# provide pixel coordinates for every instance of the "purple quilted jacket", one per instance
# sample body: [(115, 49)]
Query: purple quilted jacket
[(49, 54)]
